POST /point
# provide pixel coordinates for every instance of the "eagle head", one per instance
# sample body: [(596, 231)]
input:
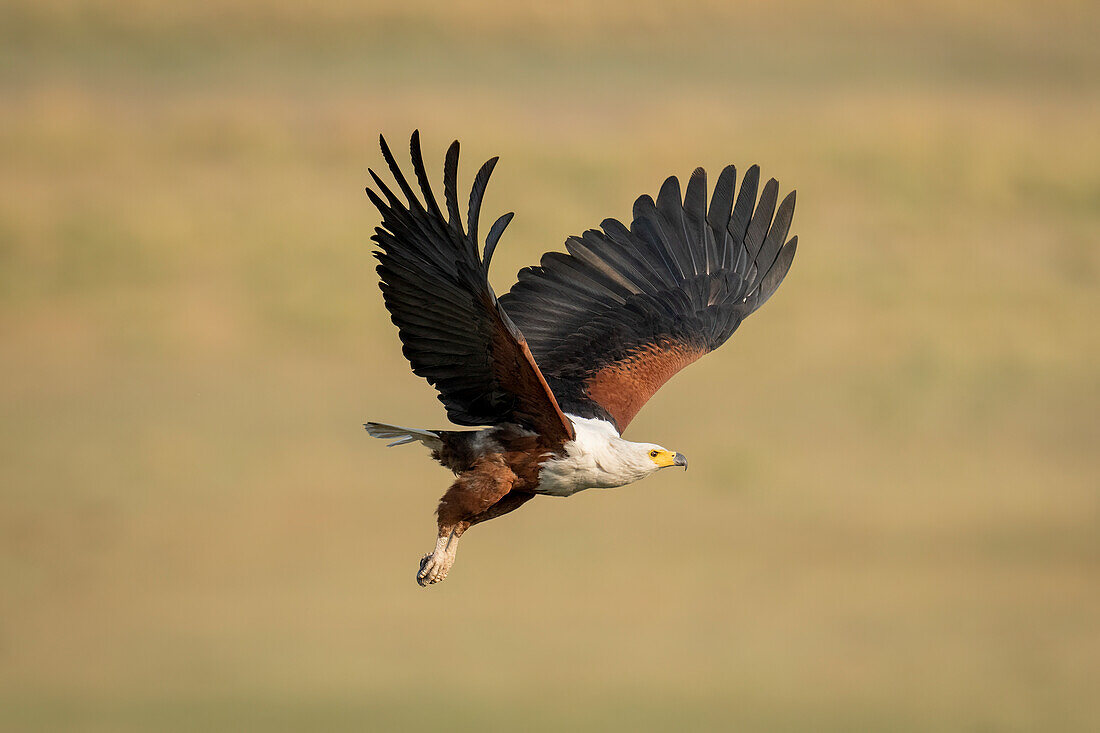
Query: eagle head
[(656, 457)]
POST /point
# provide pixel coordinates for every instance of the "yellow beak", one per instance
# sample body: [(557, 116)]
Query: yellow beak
[(667, 458)]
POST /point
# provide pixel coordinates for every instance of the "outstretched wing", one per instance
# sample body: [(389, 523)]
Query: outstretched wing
[(626, 309), (455, 334)]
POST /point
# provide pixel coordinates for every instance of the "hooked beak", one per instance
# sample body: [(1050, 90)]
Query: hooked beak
[(680, 460)]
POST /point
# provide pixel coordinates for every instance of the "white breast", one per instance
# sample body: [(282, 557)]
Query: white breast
[(596, 459)]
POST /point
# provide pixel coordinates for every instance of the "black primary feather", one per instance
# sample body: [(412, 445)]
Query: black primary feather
[(434, 283)]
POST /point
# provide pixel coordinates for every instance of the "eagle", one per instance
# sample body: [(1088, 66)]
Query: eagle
[(551, 373)]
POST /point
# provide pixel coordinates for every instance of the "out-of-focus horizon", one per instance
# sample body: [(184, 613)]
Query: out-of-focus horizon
[(891, 518)]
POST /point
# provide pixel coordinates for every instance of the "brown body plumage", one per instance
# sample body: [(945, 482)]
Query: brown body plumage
[(489, 467)]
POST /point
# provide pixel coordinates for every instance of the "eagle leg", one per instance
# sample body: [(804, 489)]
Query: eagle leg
[(435, 565), (467, 502)]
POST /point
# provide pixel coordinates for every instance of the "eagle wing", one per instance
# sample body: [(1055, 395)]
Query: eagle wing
[(626, 309), (453, 330)]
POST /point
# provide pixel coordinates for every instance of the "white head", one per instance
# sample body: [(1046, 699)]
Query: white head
[(646, 458), (622, 460)]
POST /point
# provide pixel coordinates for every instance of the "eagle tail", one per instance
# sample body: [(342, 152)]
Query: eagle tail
[(403, 436)]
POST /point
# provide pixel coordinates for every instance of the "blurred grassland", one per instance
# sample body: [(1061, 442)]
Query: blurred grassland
[(892, 520)]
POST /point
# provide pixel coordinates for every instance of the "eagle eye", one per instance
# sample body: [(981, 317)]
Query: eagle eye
[(653, 454)]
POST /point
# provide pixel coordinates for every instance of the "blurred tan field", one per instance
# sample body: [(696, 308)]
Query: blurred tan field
[(892, 518)]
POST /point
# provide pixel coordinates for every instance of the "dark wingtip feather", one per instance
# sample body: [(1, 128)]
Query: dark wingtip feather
[(377, 201), (494, 236), (676, 237), (761, 218), (695, 214), (450, 188), (669, 194), (776, 234), (387, 154), (477, 194), (746, 201), (422, 174), (721, 201), (718, 215), (776, 274), (398, 176), (393, 202), (695, 199)]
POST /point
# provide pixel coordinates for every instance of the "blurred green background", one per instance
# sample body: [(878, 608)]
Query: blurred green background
[(892, 520)]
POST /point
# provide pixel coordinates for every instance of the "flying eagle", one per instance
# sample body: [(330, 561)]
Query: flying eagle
[(553, 371)]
